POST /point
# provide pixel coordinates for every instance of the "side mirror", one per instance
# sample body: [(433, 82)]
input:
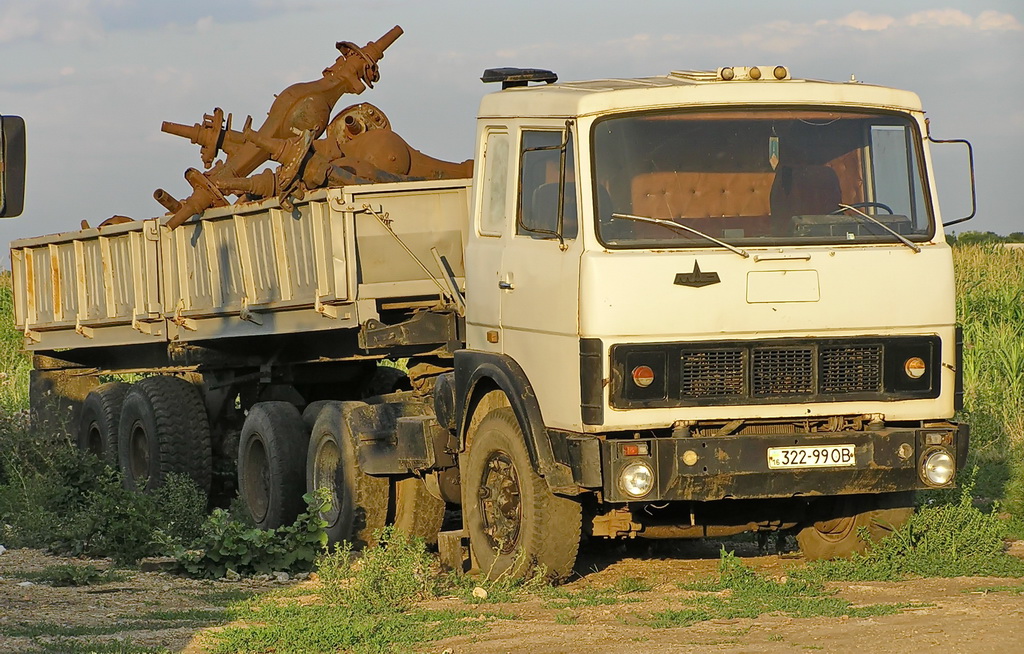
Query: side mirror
[(12, 166), (970, 165)]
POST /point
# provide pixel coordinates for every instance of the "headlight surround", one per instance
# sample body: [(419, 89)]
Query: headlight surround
[(636, 479), (938, 467)]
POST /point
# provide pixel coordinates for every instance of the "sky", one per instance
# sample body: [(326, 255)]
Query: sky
[(94, 79)]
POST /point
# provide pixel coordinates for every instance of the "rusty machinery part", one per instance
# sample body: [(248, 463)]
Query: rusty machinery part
[(354, 120), (166, 200), (302, 106), (209, 135), (201, 183), (370, 73)]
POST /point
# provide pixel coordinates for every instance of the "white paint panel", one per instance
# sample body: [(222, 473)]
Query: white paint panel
[(783, 286)]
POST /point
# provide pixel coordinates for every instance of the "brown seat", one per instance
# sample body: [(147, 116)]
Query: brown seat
[(804, 190)]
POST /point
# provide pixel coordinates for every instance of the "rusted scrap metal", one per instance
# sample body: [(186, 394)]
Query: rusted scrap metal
[(358, 145)]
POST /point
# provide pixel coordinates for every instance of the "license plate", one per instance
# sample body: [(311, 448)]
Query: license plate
[(811, 456)]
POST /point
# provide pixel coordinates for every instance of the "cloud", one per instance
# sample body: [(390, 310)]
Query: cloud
[(995, 20), (987, 21), (861, 20), (54, 21)]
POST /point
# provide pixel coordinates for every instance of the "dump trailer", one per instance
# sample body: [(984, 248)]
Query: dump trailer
[(682, 306)]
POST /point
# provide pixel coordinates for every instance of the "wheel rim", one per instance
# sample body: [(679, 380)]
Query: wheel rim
[(256, 480), (325, 474), (138, 447), (500, 503), (94, 440)]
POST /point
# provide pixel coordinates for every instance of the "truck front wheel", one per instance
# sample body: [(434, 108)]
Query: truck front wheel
[(359, 502), (836, 530), (271, 460), (517, 526)]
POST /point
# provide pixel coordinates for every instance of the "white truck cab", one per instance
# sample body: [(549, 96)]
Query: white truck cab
[(725, 285)]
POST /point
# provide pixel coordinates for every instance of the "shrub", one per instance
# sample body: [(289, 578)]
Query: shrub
[(54, 496), (227, 544)]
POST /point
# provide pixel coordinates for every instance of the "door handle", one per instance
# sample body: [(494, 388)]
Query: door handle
[(506, 286)]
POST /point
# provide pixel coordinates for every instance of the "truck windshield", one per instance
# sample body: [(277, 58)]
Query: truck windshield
[(759, 177)]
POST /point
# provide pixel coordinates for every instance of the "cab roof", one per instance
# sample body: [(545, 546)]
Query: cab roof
[(686, 88)]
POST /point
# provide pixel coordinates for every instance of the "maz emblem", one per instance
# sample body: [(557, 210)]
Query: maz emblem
[(697, 278)]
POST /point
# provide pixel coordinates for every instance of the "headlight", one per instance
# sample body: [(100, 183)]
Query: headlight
[(939, 468), (636, 479)]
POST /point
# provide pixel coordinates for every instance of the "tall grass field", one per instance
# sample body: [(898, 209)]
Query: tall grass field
[(990, 306)]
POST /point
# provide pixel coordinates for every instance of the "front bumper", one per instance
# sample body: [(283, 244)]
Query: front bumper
[(736, 467)]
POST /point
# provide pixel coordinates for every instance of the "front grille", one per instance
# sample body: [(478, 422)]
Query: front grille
[(783, 371), (851, 369), (775, 371), (711, 373)]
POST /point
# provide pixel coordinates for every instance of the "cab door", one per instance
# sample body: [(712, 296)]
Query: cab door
[(538, 280), (488, 236)]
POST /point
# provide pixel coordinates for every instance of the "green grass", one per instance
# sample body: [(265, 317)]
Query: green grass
[(740, 592), (947, 539), (364, 605), (990, 306), (14, 364), (69, 646), (627, 590), (72, 574)]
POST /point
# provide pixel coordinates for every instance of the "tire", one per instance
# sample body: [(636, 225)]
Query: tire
[(310, 413), (510, 537), (98, 423), (163, 429), (417, 513), (271, 464), (836, 531), (359, 502)]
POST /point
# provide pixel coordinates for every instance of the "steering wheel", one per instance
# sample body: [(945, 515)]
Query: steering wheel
[(863, 205)]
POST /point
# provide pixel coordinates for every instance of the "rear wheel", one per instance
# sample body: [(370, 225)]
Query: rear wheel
[(98, 424), (271, 460), (516, 524), (417, 513), (836, 530), (163, 429), (359, 502)]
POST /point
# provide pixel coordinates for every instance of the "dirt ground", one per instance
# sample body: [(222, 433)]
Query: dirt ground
[(157, 610)]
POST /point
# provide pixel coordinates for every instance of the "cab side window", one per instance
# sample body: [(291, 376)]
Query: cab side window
[(495, 184), (539, 182)]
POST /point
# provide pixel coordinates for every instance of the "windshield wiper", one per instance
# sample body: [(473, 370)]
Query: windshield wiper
[(674, 225), (903, 239)]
